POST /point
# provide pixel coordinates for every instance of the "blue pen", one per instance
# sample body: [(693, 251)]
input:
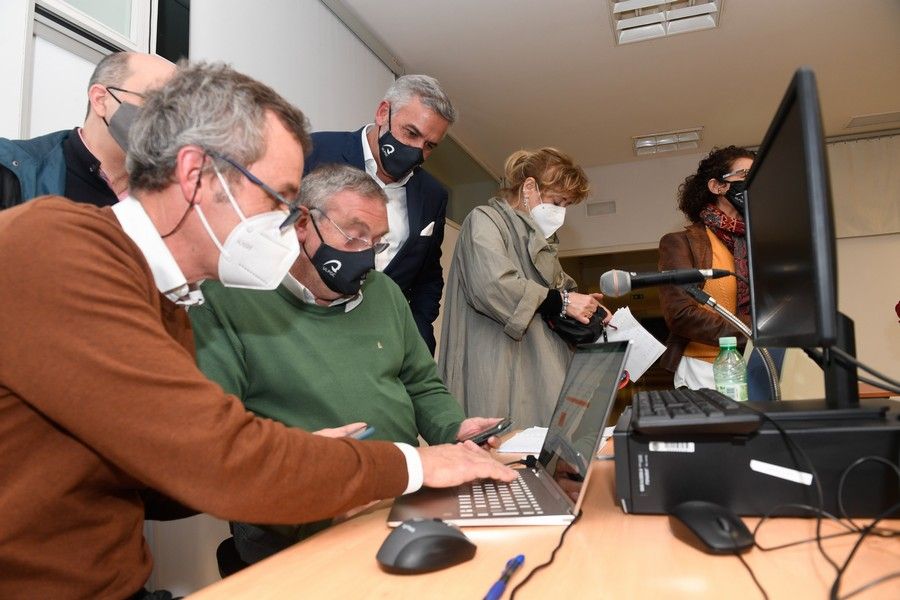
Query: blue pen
[(498, 588)]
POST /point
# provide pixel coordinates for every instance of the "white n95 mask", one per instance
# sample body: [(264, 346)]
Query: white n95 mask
[(549, 218), (257, 254)]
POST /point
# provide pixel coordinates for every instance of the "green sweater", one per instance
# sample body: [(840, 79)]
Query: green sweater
[(314, 367)]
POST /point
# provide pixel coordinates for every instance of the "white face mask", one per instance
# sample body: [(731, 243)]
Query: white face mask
[(549, 217), (257, 254)]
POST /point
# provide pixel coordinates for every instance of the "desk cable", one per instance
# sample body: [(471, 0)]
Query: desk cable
[(848, 360), (792, 446), (750, 570), (819, 512), (543, 565)]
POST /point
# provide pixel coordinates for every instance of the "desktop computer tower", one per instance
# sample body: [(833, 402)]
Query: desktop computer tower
[(754, 474)]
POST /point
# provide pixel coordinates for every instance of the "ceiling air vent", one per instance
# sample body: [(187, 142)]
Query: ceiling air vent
[(669, 141), (639, 20)]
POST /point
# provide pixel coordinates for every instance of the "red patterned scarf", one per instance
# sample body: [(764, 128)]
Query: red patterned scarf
[(732, 232)]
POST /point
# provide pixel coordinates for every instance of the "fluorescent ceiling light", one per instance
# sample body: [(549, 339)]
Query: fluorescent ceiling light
[(667, 141), (639, 20)]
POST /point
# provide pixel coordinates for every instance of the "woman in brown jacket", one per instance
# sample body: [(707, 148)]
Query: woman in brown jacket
[(715, 238)]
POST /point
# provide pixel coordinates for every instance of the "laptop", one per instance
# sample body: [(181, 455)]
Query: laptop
[(550, 492)]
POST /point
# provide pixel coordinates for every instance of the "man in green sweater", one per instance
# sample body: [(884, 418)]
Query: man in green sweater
[(335, 343)]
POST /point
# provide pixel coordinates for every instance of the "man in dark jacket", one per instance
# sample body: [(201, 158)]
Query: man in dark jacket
[(409, 123), (86, 163)]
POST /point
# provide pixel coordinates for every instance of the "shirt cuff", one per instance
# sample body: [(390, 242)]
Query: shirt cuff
[(413, 467)]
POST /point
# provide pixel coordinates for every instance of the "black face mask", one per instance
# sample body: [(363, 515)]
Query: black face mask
[(737, 194), (121, 122), (397, 158), (343, 272)]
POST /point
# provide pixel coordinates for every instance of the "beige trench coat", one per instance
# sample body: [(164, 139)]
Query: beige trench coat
[(497, 356)]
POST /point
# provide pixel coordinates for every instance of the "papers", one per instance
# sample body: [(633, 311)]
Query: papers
[(526, 441), (645, 348), (530, 441)]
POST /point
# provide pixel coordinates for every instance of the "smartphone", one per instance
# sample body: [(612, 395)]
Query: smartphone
[(482, 436), (363, 433)]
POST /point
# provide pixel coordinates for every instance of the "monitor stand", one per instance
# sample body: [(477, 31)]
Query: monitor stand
[(841, 401)]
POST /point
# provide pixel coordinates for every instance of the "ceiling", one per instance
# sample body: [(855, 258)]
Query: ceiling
[(528, 73)]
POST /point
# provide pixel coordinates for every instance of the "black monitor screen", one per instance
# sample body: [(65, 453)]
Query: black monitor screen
[(790, 227)]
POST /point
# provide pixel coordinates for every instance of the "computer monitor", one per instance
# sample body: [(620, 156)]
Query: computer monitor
[(791, 241)]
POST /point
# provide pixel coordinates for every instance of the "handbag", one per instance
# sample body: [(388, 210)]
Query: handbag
[(574, 332)]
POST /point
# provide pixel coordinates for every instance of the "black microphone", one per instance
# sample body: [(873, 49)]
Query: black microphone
[(618, 283)]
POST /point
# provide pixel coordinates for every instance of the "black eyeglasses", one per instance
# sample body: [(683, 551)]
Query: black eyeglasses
[(293, 207), (110, 89)]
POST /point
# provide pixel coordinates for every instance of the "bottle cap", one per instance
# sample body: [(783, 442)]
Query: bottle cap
[(728, 342)]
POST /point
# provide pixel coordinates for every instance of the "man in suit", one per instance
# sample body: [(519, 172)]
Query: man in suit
[(409, 123)]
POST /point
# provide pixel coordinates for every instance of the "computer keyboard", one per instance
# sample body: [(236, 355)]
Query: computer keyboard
[(485, 497), (686, 411)]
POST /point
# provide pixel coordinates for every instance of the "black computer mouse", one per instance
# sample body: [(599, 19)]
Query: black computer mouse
[(422, 545), (710, 527)]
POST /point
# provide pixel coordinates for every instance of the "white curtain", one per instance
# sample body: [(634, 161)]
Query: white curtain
[(865, 186)]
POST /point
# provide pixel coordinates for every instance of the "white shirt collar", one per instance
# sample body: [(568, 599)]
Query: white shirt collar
[(372, 166), (166, 273), (304, 295)]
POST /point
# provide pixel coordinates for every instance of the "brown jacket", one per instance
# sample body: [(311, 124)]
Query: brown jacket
[(686, 319), (100, 400)]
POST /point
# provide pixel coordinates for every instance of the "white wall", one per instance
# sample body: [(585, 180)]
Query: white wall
[(644, 193), (299, 48), (868, 290), (14, 33), (865, 185)]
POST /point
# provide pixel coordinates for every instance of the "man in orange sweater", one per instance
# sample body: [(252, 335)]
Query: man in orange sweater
[(101, 404)]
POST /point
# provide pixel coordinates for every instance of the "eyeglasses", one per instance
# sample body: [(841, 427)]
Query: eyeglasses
[(355, 243), (110, 89), (293, 207), (742, 173)]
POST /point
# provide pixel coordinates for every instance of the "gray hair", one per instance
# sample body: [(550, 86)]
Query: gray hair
[(427, 89), (112, 70), (327, 181), (208, 105)]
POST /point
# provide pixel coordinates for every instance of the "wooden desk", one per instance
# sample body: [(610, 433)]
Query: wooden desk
[(606, 555)]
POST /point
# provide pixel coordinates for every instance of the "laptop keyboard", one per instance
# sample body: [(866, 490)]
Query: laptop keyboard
[(686, 411), (488, 498)]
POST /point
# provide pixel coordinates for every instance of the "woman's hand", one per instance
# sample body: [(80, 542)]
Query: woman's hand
[(583, 306)]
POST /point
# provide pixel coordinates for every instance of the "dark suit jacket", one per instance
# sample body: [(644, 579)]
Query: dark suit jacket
[(417, 266)]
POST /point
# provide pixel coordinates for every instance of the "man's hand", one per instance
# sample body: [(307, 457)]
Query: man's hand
[(471, 426), (342, 431), (452, 464)]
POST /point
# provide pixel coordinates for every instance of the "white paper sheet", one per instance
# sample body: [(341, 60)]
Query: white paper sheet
[(530, 441), (645, 348)]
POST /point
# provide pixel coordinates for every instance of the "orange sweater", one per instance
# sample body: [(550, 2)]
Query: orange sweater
[(724, 290), (100, 400)]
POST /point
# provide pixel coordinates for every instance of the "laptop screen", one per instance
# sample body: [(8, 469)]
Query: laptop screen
[(581, 412)]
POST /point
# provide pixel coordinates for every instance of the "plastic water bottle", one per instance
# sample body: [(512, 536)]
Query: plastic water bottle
[(730, 370)]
